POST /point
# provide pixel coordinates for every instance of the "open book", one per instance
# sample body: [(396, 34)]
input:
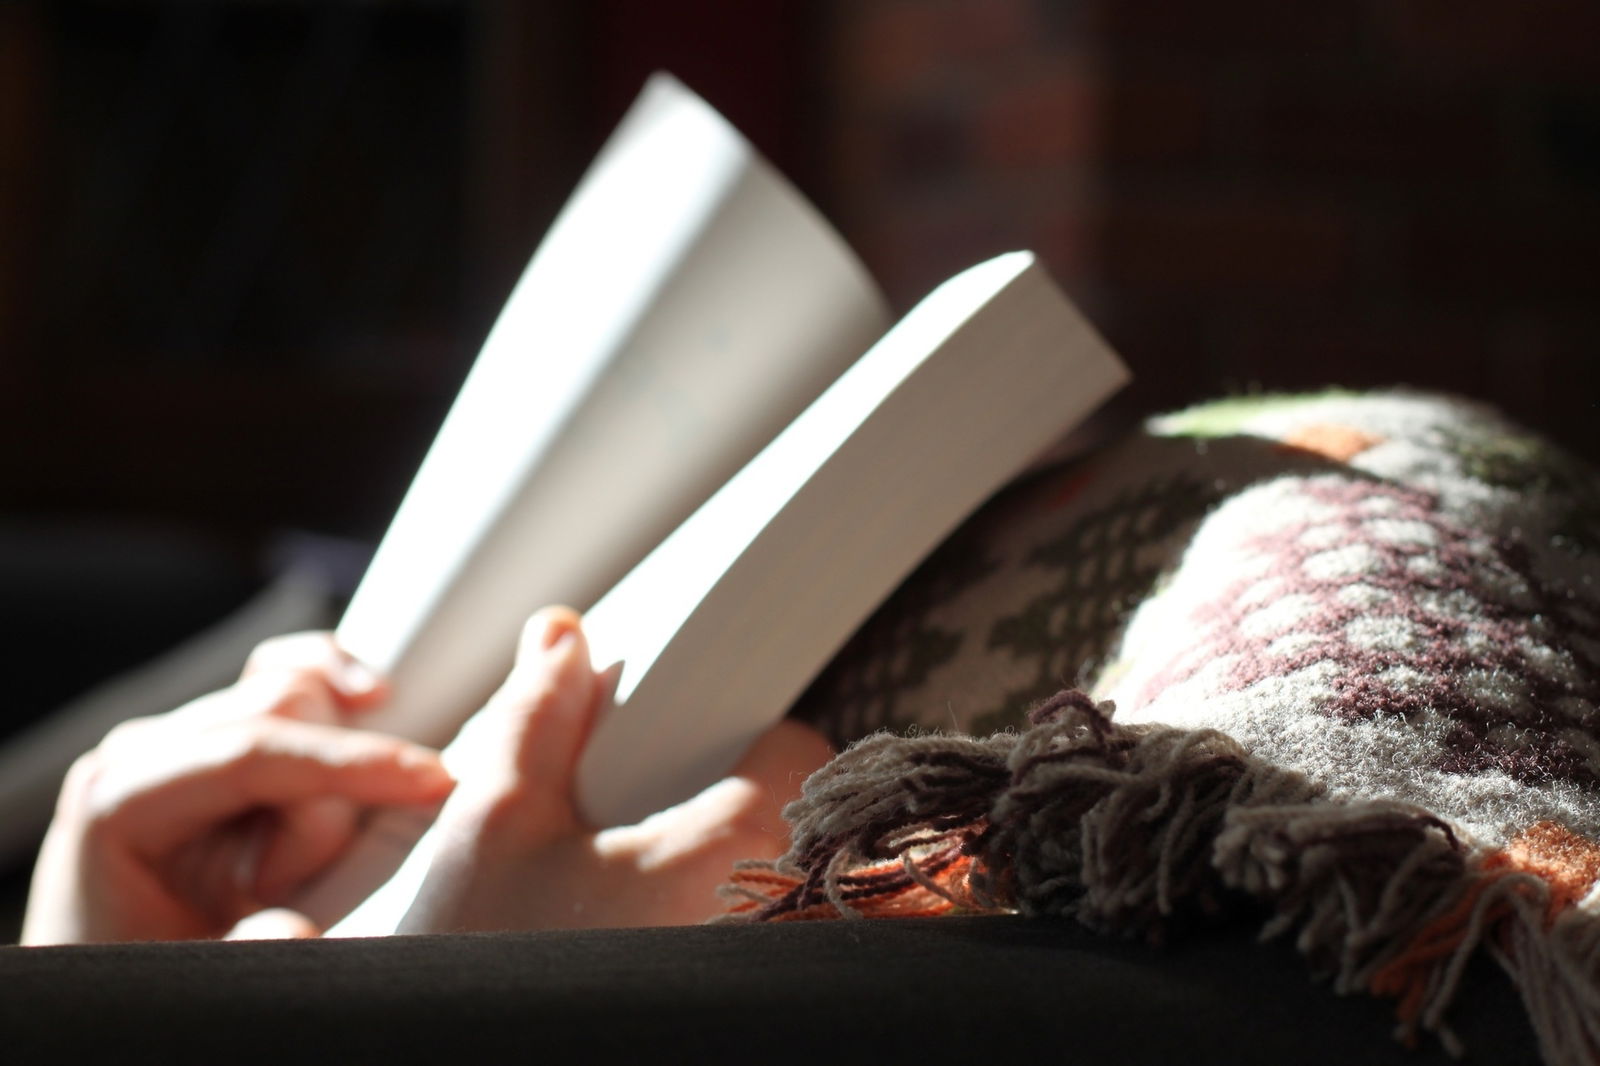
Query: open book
[(693, 421)]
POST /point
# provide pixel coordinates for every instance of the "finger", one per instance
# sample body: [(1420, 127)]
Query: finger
[(739, 817), (357, 686), (729, 816), (781, 759), (305, 841), (304, 695), (554, 685), (276, 923), (176, 794), (215, 873), (527, 740)]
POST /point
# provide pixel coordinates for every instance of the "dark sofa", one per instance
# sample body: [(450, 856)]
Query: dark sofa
[(970, 990)]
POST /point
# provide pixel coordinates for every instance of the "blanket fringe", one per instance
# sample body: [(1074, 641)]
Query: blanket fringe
[(1557, 970), (1123, 827)]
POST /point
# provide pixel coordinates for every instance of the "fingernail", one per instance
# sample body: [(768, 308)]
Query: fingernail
[(358, 678), (557, 628), (426, 766)]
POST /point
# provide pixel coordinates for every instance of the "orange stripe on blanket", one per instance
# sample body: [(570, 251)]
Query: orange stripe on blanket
[(1330, 440), (1568, 861), (1565, 861)]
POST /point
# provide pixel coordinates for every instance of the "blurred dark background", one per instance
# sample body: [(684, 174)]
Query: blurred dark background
[(248, 248)]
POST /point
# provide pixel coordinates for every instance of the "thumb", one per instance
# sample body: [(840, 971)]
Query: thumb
[(305, 839), (748, 803), (528, 738), (782, 758)]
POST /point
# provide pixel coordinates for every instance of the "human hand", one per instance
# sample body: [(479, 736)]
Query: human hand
[(513, 852), (197, 822)]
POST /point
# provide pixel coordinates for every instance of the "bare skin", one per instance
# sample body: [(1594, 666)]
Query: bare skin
[(204, 821), (186, 824), (514, 852)]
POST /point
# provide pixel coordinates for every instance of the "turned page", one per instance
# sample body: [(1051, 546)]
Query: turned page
[(683, 308), (767, 580)]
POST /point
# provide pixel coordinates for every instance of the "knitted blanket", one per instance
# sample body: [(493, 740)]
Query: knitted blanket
[(1336, 656)]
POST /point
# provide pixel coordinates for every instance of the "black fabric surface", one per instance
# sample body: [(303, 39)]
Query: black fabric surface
[(975, 990)]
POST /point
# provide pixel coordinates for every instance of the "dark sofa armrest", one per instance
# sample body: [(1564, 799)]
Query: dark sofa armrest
[(972, 990)]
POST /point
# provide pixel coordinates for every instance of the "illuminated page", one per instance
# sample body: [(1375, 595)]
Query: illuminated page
[(686, 304), (723, 625)]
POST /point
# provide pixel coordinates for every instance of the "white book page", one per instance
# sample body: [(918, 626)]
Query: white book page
[(684, 307), (721, 627), (686, 304)]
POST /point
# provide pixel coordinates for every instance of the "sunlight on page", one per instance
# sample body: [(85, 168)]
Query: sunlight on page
[(634, 622), (580, 296)]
